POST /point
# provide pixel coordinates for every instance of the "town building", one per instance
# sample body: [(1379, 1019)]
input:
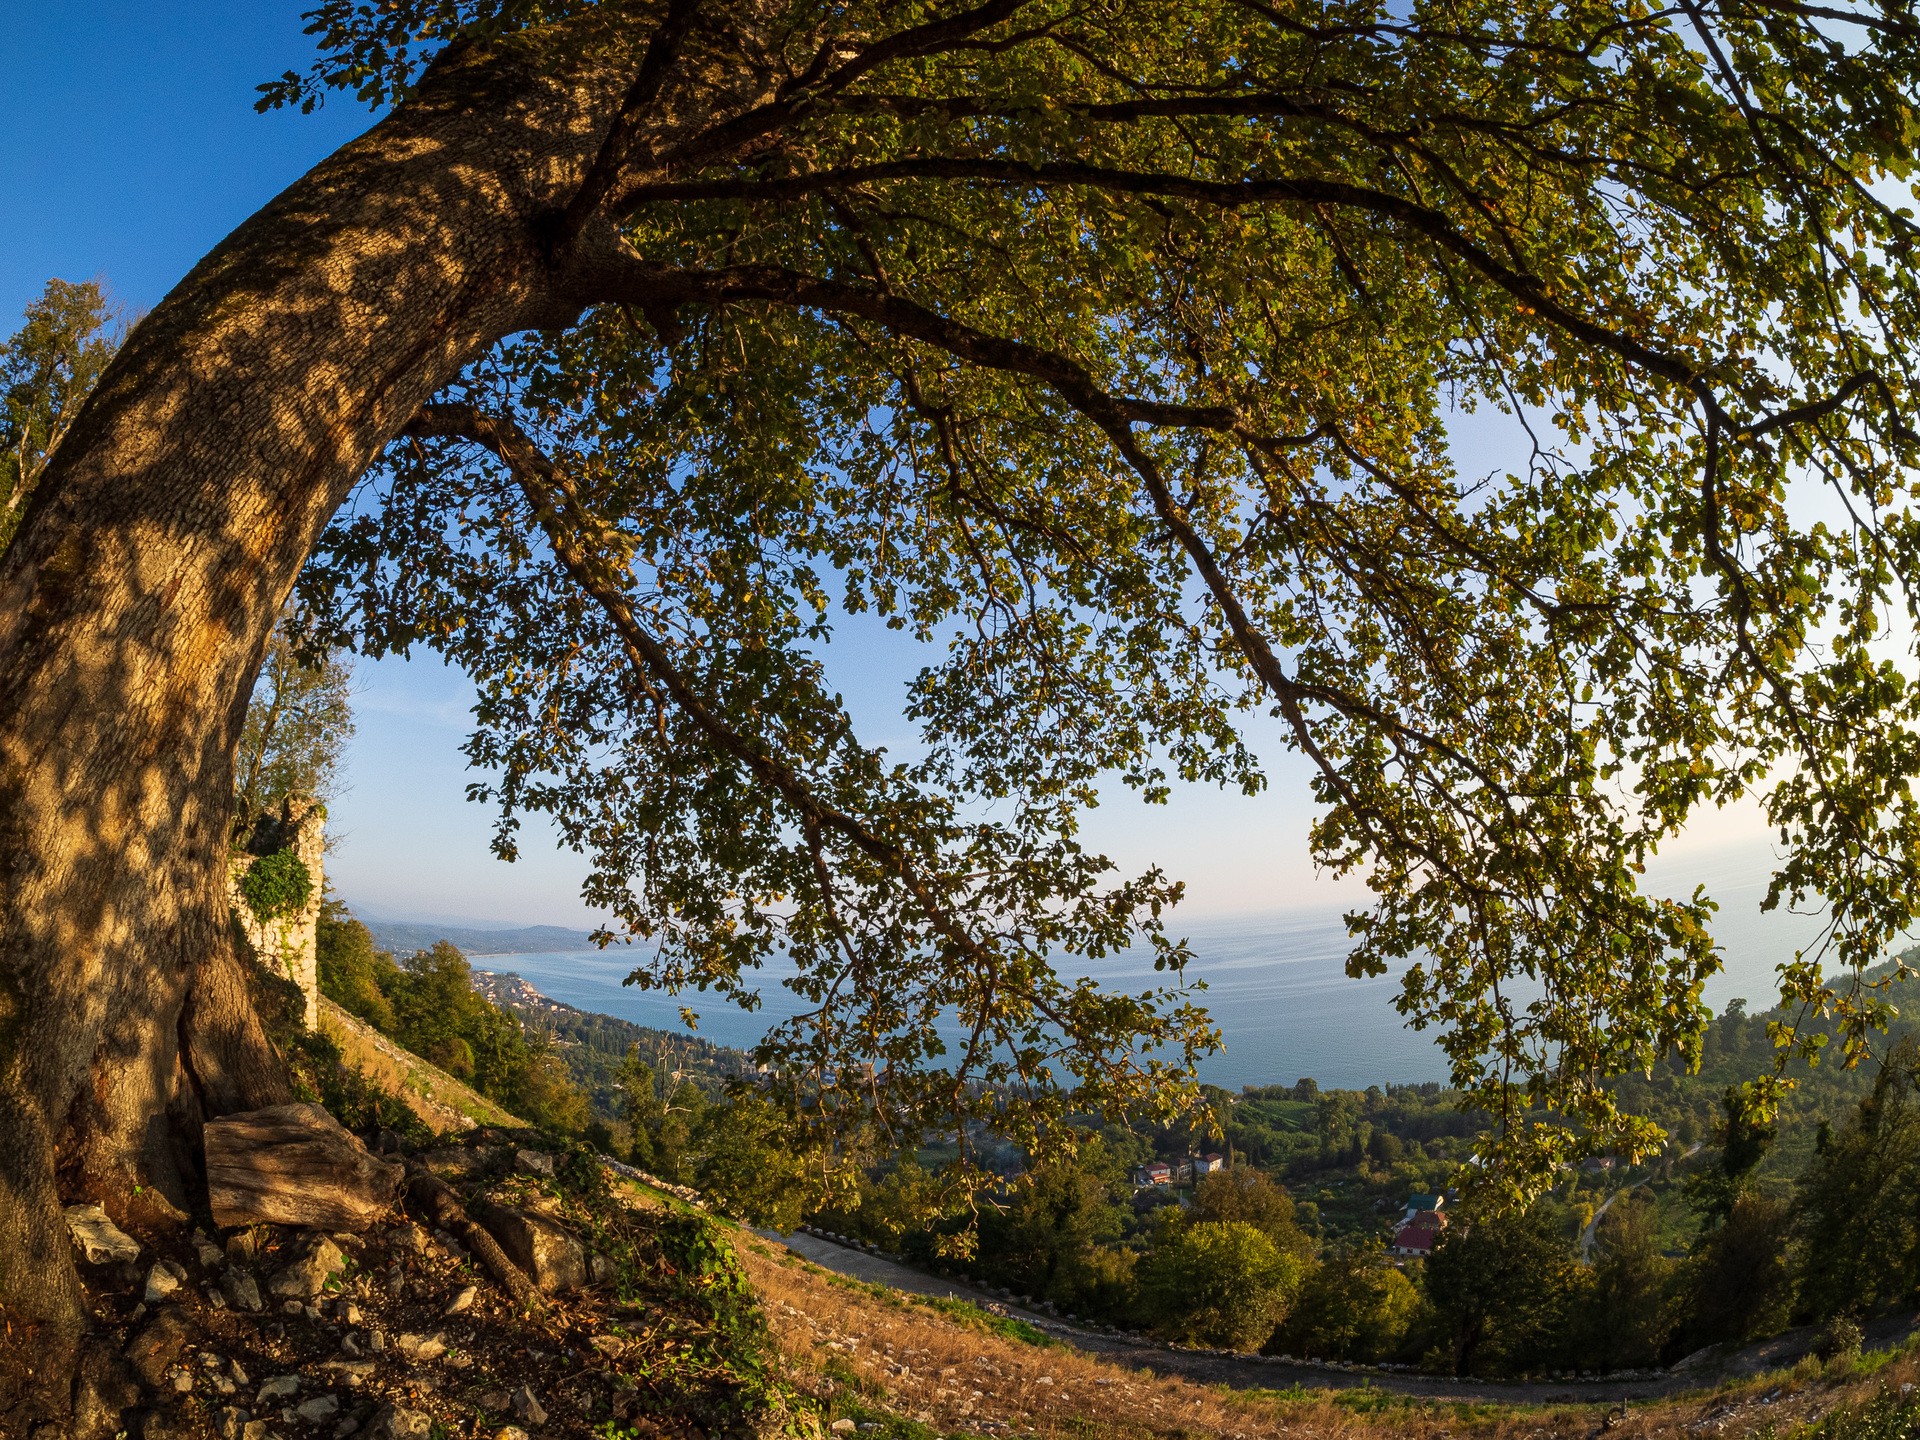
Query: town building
[(1417, 1236)]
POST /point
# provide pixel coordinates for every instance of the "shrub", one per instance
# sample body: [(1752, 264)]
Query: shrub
[(276, 886), (1219, 1283), (1841, 1339), (1354, 1306)]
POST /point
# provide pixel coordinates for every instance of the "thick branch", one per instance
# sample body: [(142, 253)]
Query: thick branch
[(616, 154), (1227, 194), (562, 517)]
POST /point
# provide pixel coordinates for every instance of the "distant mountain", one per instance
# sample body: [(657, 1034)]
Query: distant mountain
[(594, 1045), (403, 937)]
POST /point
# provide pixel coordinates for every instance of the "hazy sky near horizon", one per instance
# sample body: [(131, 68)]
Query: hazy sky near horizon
[(133, 148)]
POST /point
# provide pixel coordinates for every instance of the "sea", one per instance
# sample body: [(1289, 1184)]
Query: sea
[(1276, 987)]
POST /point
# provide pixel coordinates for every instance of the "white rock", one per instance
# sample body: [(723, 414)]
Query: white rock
[(421, 1347), (99, 1239), (320, 1407), (393, 1423), (462, 1302), (842, 1425), (281, 1387), (161, 1282)]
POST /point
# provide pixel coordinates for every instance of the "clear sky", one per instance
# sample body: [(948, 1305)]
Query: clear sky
[(132, 147)]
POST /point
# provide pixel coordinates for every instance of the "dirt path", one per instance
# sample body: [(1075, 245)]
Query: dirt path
[(1593, 1225), (1242, 1372)]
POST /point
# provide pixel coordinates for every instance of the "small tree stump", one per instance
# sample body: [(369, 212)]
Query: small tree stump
[(295, 1165)]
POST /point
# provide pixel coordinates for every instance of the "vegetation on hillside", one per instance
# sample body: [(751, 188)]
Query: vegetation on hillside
[(428, 1004), (1742, 1226), (597, 1048)]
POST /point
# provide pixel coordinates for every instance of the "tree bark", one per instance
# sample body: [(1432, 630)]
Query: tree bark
[(135, 606)]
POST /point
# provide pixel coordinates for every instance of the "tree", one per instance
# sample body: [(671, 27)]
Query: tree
[(1039, 1239), (352, 973), (1220, 1282), (297, 726), (46, 370), (1502, 1288), (1249, 1195), (1740, 1276), (1747, 1134), (1111, 348), (747, 1168), (1629, 1311), (1354, 1305), (1858, 1228)]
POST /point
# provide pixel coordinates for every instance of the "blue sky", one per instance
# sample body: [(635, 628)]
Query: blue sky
[(133, 148)]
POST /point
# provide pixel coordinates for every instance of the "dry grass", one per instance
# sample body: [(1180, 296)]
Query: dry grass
[(871, 1353), (441, 1102)]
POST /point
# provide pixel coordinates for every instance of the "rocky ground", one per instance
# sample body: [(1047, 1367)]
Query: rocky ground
[(399, 1330)]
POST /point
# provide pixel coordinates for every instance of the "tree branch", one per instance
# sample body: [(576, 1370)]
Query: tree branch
[(615, 155), (563, 517)]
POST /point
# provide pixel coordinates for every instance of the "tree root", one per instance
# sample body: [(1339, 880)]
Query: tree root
[(433, 1197)]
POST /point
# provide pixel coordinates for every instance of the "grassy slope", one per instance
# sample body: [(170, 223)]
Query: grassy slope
[(924, 1368), (441, 1102)]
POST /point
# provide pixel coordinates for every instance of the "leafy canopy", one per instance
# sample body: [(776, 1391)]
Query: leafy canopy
[(298, 724), (1109, 351)]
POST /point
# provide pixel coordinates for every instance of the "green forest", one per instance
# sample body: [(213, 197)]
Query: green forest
[(658, 1100)]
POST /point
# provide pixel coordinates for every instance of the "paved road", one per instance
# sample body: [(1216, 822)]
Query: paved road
[(1242, 1372), (1593, 1226)]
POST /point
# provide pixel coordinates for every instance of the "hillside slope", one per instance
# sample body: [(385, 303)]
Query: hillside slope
[(920, 1367), (442, 1103), (593, 1045), (905, 1367)]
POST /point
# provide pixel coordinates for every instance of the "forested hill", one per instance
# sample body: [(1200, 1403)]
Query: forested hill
[(404, 937), (594, 1045), (1738, 1048)]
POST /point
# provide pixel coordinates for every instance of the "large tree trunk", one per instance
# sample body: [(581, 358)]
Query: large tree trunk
[(135, 605)]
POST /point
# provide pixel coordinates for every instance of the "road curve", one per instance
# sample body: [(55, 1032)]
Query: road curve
[(1242, 1372)]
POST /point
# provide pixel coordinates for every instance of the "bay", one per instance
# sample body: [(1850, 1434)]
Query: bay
[(1275, 984)]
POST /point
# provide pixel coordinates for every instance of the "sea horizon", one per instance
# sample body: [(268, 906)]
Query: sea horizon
[(1276, 987)]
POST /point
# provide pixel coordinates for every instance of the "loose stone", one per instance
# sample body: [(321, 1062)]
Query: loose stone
[(162, 1281), (527, 1407), (320, 1407), (99, 1239), (281, 1387)]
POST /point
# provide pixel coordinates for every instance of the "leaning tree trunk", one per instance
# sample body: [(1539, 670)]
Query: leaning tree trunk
[(135, 605)]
